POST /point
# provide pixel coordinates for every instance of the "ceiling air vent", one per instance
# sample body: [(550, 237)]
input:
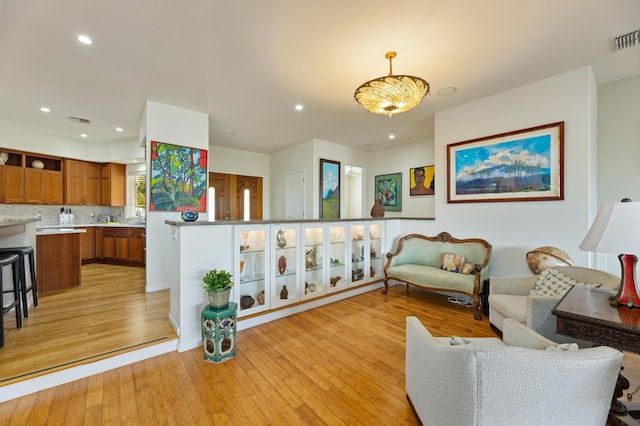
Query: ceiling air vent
[(80, 120), (626, 40)]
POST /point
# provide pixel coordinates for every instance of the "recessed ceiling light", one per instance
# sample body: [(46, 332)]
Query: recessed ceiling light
[(392, 136), (84, 39), (119, 129), (84, 135), (299, 107), (45, 109), (447, 91)]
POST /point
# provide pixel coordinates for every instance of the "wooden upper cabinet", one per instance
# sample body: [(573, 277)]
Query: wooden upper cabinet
[(12, 187), (113, 184), (82, 182), (31, 178)]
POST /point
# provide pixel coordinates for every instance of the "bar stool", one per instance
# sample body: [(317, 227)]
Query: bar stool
[(13, 260), (22, 253)]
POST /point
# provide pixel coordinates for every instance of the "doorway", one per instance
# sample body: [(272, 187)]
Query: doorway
[(353, 192), (296, 195), (237, 197)]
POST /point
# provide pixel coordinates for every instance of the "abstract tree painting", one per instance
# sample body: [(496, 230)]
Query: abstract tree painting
[(178, 178)]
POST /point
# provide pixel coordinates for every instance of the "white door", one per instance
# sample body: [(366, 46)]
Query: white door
[(296, 195)]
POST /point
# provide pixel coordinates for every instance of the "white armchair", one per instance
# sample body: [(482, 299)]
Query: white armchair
[(509, 298), (488, 382)]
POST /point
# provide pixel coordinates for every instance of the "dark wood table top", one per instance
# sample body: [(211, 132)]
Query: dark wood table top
[(585, 313)]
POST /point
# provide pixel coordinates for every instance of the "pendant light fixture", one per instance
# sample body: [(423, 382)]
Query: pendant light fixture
[(391, 94)]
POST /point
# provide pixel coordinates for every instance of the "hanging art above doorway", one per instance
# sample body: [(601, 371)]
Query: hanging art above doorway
[(178, 178)]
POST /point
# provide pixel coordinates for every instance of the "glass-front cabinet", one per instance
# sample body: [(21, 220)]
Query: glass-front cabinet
[(285, 260), (367, 260), (313, 253), (377, 259), (337, 255), (251, 289), (280, 264)]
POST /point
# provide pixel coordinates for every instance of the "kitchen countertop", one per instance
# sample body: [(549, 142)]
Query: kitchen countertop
[(59, 231), (7, 221), (87, 225)]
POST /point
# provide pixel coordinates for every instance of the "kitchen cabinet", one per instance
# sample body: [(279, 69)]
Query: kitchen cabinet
[(88, 245), (31, 179), (12, 189), (82, 182), (54, 270), (43, 186), (120, 245), (113, 184)]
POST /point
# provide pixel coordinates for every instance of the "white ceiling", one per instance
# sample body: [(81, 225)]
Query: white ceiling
[(247, 63)]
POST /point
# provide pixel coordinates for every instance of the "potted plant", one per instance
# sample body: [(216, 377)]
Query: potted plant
[(218, 284)]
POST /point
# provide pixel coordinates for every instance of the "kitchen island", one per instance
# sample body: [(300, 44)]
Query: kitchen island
[(58, 262)]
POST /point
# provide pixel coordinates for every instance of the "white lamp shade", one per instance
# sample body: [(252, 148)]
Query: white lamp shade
[(616, 229)]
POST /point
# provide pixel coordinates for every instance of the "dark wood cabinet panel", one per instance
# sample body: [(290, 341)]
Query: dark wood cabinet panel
[(121, 245), (113, 187), (88, 245), (58, 261), (82, 183)]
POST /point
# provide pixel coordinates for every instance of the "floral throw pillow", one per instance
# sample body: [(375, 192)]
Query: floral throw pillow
[(554, 283), (451, 262), (467, 268)]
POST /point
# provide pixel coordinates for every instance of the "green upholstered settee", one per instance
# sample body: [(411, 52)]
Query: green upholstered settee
[(418, 259)]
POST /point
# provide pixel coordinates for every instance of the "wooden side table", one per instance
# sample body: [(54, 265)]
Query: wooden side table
[(585, 313)]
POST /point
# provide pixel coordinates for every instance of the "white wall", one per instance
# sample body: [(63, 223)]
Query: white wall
[(176, 126), (618, 148), (514, 228), (31, 139), (297, 157), (401, 159)]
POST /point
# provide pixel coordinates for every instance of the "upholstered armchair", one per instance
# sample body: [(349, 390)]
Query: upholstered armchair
[(489, 382), (509, 298)]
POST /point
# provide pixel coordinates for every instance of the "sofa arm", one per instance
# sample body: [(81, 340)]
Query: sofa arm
[(517, 334), (539, 316), (517, 286)]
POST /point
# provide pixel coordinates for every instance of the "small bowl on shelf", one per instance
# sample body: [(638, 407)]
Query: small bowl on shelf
[(189, 215)]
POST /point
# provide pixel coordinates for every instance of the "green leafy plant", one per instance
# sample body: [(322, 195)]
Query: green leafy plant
[(215, 280)]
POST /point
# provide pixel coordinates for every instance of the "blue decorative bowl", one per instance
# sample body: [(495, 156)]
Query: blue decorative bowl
[(189, 216)]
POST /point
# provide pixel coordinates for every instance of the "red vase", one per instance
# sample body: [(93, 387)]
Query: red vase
[(282, 264)]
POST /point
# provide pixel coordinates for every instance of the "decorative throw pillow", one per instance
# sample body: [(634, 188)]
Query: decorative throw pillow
[(455, 340), (467, 268), (564, 347), (554, 283), (451, 261)]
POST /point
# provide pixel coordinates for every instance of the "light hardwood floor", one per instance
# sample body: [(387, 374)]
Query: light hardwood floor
[(109, 313), (339, 364)]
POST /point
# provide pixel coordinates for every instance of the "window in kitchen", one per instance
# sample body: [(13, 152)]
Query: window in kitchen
[(136, 195)]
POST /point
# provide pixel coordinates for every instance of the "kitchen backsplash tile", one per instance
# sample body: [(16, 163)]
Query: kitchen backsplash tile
[(50, 214)]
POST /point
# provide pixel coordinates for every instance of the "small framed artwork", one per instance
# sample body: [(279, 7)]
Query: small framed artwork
[(524, 165), (389, 190), (422, 180), (329, 189)]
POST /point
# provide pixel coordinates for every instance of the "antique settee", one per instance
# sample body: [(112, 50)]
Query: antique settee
[(441, 263)]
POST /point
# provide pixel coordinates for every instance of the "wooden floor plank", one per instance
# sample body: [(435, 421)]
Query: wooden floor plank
[(339, 364)]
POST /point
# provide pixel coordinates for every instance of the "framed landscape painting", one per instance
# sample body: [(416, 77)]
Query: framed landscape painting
[(178, 178), (389, 189), (524, 165), (329, 189)]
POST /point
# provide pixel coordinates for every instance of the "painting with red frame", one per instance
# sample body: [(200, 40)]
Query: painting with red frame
[(178, 178)]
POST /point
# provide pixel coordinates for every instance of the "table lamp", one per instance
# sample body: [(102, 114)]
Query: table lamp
[(616, 229)]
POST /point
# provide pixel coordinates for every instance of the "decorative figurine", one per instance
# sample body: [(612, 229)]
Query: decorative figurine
[(335, 280), (282, 264), (284, 293), (280, 241), (261, 297)]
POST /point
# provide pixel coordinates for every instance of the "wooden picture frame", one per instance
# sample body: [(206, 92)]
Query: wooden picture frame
[(329, 189), (523, 165), (389, 189), (422, 180)]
